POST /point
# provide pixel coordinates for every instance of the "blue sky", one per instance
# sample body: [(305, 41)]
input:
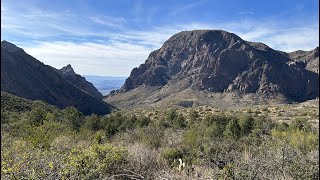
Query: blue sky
[(110, 37)]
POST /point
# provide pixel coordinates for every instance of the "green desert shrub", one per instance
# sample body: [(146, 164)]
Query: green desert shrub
[(302, 140), (179, 122), (171, 119), (215, 124), (246, 123), (99, 161), (128, 123), (262, 126), (142, 121), (161, 123), (192, 137), (213, 130), (36, 116), (116, 123), (283, 126), (151, 137), (300, 124), (171, 114), (73, 118), (98, 137), (193, 115), (233, 129), (10, 117), (43, 135), (93, 122), (52, 117), (229, 171), (172, 154)]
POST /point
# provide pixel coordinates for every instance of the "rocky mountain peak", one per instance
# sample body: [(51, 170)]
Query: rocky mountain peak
[(67, 70), (24, 76), (220, 62), (68, 73), (200, 38), (9, 46), (203, 55)]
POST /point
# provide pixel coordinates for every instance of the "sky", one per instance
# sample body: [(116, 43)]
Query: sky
[(111, 37)]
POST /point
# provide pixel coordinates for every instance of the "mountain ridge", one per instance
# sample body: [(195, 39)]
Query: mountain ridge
[(69, 74), (221, 62), (24, 76)]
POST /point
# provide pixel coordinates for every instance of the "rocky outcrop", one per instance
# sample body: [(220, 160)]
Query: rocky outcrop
[(24, 76), (68, 73), (307, 59), (219, 61)]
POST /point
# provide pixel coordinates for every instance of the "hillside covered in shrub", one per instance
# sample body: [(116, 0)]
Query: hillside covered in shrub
[(39, 141)]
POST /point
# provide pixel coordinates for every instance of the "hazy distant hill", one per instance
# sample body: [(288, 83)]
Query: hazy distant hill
[(24, 76), (216, 67), (105, 84)]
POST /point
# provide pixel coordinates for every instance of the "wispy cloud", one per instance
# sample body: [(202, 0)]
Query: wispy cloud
[(109, 21), (115, 59), (124, 51), (276, 35), (60, 38), (38, 24), (246, 13), (186, 7)]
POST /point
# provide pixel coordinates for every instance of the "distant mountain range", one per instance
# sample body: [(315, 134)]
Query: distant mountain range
[(105, 84), (215, 67), (24, 76)]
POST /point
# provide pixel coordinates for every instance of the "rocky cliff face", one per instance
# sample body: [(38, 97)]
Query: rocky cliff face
[(24, 76), (68, 73), (219, 61), (307, 59)]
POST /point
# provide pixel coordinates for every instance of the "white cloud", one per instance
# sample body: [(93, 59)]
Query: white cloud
[(304, 38), (116, 59), (246, 13), (124, 51), (116, 22), (284, 38), (186, 7), (279, 37), (108, 52)]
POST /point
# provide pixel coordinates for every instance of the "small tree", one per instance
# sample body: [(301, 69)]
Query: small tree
[(217, 122), (193, 115), (36, 116), (262, 125), (246, 124), (171, 115), (92, 122), (213, 131), (300, 124), (142, 121), (179, 122), (128, 123), (51, 117), (281, 126), (232, 129), (73, 118)]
